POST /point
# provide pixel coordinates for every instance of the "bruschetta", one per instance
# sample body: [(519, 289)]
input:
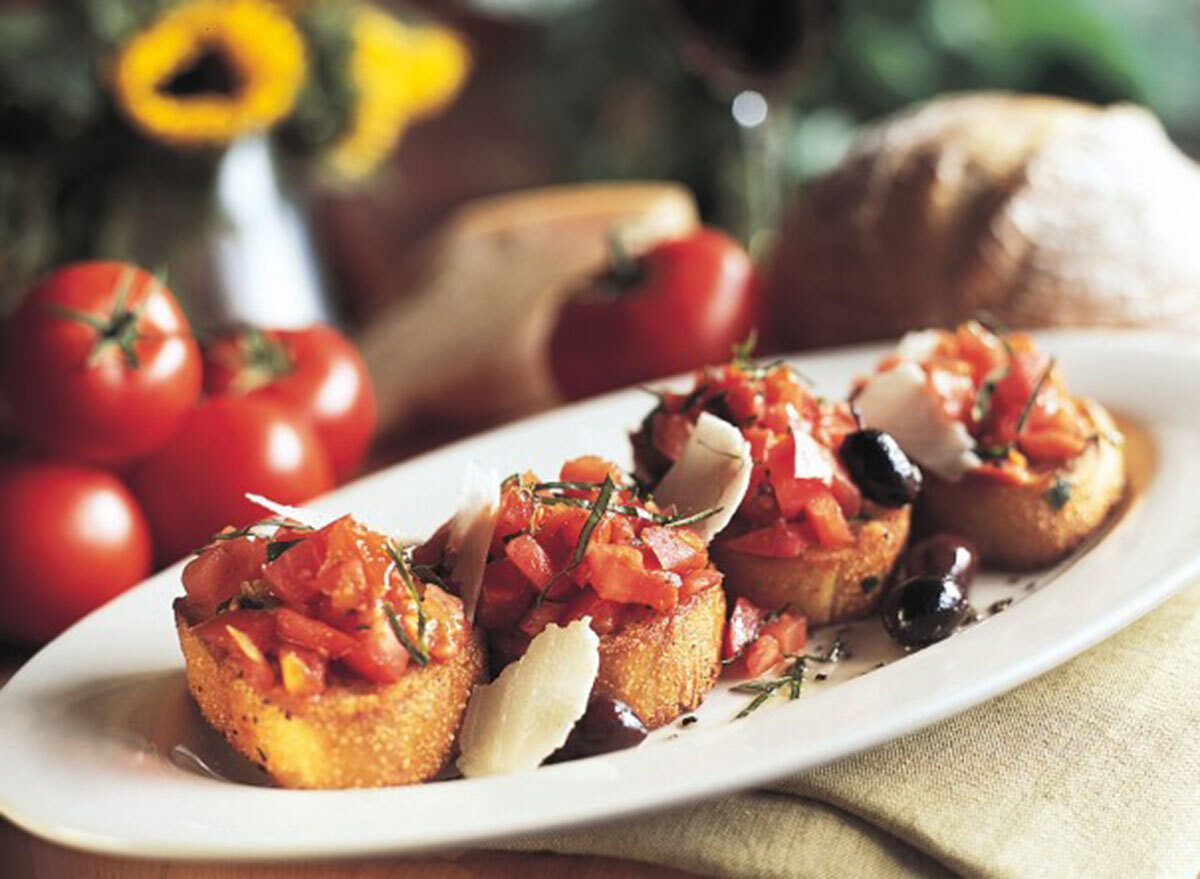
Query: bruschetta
[(1014, 462), (806, 536), (588, 545), (322, 657)]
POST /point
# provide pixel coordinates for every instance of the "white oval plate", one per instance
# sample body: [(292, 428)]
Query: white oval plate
[(100, 747)]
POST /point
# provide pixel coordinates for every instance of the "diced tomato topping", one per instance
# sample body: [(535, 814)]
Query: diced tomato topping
[(506, 594), (761, 656), (745, 620), (531, 560), (845, 492), (321, 597), (378, 654), (826, 518), (700, 580), (780, 540), (302, 671), (618, 573), (246, 637), (589, 468), (605, 615), (539, 616), (304, 631), (676, 549), (513, 517), (790, 630), (1052, 446), (216, 575)]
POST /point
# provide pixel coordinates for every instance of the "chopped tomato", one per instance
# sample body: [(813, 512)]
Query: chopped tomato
[(699, 580), (780, 540), (531, 560), (790, 630), (505, 595), (761, 656), (540, 616), (618, 573), (605, 615), (826, 518), (378, 654), (1052, 446), (216, 575), (516, 510), (676, 549), (304, 631), (246, 637), (589, 468), (742, 629)]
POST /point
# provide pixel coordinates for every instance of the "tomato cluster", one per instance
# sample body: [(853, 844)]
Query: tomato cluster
[(1008, 396), (560, 552), (140, 445), (800, 494), (302, 604)]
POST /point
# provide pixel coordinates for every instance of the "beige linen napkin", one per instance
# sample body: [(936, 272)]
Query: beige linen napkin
[(1091, 770)]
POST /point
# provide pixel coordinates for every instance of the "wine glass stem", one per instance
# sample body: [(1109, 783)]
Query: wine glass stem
[(763, 129)]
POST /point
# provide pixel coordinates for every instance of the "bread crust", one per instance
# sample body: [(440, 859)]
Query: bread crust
[(664, 665), (826, 585), (365, 736), (1016, 527)]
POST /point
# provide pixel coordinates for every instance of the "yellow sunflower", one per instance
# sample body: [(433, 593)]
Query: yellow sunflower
[(209, 70), (398, 73)]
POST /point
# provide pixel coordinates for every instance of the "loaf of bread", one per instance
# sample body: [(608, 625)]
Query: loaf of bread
[(1041, 211)]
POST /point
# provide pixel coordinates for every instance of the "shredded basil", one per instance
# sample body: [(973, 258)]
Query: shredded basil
[(420, 657), (276, 548)]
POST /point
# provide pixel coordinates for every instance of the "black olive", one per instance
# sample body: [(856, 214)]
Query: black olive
[(924, 609), (944, 555), (607, 725), (880, 468), (650, 464)]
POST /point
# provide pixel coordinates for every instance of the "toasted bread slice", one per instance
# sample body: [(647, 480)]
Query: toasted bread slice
[(1021, 527), (826, 585), (347, 737), (665, 664)]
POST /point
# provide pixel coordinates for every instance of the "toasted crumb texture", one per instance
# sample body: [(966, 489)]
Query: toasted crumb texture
[(826, 585), (344, 738), (1019, 527), (664, 666)]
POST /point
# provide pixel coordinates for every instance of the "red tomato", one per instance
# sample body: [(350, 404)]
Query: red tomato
[(71, 538), (98, 363), (745, 621), (683, 304), (196, 484), (316, 372)]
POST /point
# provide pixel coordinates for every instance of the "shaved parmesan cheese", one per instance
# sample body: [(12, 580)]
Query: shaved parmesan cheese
[(712, 473), (899, 402), (304, 516), (813, 461), (471, 532), (526, 714), (919, 345)]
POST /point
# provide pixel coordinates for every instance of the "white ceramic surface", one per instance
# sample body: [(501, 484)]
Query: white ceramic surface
[(100, 747)]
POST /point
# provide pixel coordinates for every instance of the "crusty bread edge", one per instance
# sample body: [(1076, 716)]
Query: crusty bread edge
[(345, 738)]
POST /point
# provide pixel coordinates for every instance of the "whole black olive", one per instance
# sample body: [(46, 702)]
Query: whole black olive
[(944, 555), (607, 725), (924, 609), (879, 467)]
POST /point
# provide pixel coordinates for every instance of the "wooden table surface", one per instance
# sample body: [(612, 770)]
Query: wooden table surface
[(23, 856)]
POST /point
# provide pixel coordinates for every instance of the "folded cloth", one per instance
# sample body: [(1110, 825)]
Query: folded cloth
[(1093, 770)]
